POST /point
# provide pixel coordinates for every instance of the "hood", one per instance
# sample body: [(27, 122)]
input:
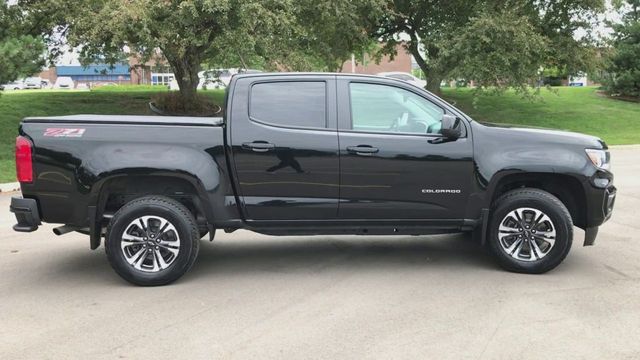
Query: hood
[(538, 134)]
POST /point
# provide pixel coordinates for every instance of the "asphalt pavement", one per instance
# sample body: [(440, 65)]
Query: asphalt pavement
[(328, 297)]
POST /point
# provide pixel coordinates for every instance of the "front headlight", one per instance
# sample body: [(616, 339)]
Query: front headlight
[(599, 158)]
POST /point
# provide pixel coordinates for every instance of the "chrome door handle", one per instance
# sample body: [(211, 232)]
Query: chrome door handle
[(259, 146), (363, 150)]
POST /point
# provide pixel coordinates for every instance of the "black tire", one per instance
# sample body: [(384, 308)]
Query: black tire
[(177, 215), (547, 204)]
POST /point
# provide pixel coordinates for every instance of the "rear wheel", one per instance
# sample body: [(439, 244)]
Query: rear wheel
[(531, 231), (152, 240)]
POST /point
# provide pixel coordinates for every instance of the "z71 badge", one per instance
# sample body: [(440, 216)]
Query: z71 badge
[(58, 132)]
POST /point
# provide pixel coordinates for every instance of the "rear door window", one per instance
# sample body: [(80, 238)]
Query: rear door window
[(289, 104)]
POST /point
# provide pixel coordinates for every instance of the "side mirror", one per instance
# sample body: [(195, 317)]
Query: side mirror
[(450, 127)]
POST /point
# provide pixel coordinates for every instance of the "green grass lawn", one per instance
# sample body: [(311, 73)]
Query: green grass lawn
[(575, 109)]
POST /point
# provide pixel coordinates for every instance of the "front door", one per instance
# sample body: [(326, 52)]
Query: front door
[(394, 162), (285, 147)]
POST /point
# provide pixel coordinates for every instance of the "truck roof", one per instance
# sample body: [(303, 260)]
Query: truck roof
[(307, 74)]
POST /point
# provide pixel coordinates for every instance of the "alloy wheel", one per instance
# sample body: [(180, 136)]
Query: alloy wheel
[(150, 243), (527, 234)]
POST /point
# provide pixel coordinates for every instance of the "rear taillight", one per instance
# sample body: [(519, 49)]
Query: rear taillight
[(24, 165)]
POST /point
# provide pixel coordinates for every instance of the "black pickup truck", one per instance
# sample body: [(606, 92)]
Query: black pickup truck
[(309, 154)]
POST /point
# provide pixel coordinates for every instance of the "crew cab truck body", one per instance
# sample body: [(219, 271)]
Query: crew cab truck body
[(309, 154)]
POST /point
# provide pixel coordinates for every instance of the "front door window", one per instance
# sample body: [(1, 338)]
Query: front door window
[(388, 109)]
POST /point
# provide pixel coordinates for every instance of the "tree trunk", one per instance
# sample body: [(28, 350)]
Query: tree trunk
[(433, 82), (186, 74), (433, 79)]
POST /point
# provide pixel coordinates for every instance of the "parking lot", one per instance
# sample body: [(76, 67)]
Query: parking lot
[(254, 296)]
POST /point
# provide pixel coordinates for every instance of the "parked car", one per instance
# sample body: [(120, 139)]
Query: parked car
[(64, 83), (309, 154), (405, 77), (578, 80), (205, 83), (14, 85), (33, 83)]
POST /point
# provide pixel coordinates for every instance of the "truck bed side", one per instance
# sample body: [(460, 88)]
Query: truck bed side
[(86, 164)]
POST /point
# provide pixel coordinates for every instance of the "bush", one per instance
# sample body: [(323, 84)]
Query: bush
[(552, 81), (174, 104)]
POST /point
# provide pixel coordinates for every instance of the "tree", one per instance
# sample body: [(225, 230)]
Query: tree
[(277, 34), (187, 33), (311, 35), (624, 65), (20, 55), (497, 43)]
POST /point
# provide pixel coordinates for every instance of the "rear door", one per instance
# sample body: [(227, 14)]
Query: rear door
[(285, 146), (394, 162)]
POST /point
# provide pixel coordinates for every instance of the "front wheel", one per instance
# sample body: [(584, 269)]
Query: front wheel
[(152, 241), (530, 231)]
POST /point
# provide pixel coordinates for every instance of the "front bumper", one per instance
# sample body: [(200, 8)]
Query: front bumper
[(26, 212)]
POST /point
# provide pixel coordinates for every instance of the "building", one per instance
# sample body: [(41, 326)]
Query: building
[(367, 65), (96, 74), (133, 73)]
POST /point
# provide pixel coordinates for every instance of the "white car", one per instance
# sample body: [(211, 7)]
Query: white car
[(64, 83), (206, 82), (404, 77), (14, 85), (33, 83)]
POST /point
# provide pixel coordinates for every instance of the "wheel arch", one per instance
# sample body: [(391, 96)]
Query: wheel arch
[(112, 192), (567, 188)]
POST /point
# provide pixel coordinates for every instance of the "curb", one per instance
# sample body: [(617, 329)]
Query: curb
[(9, 187), (625, 147)]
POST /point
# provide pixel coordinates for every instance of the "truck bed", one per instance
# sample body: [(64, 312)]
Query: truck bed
[(128, 119)]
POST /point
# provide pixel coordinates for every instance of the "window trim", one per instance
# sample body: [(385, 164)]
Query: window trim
[(272, 81), (351, 130)]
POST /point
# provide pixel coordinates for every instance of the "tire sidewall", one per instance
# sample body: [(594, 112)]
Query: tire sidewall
[(120, 223), (561, 246)]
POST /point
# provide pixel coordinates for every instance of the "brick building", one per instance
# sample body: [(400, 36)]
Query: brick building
[(366, 65)]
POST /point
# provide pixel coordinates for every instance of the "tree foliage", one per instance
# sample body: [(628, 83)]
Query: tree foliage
[(20, 54), (624, 64), (273, 34), (497, 43)]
